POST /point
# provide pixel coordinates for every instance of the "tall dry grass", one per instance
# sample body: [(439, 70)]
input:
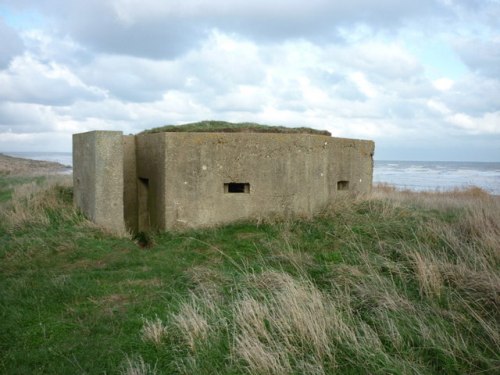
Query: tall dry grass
[(417, 291), (287, 316), (137, 366), (153, 330), (191, 321), (32, 202), (392, 282)]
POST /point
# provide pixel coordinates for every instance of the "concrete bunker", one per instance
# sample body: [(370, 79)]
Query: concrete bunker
[(172, 179)]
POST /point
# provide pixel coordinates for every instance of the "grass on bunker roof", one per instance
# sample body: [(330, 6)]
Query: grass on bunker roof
[(393, 282), (229, 127)]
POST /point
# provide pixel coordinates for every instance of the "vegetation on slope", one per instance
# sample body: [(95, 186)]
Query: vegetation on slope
[(12, 166), (395, 282), (229, 127)]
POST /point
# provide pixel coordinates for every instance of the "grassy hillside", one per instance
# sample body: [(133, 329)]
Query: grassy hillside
[(12, 166), (394, 282), (229, 127)]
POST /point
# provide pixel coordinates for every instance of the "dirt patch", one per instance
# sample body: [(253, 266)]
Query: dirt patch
[(12, 166)]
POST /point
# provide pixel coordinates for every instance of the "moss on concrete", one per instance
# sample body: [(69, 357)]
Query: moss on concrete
[(229, 127)]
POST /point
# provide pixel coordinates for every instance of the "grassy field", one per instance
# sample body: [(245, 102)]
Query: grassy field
[(395, 282)]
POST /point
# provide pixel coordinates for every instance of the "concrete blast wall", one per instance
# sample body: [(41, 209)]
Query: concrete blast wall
[(202, 179), (182, 180), (98, 177)]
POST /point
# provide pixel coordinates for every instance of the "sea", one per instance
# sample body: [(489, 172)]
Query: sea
[(438, 175), (411, 175)]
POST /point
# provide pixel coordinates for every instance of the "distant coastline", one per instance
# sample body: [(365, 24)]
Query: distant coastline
[(17, 166), (64, 158)]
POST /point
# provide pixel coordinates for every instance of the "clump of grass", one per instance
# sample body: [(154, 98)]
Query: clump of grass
[(136, 366), (229, 127), (153, 330), (295, 317), (37, 201), (192, 321), (427, 273)]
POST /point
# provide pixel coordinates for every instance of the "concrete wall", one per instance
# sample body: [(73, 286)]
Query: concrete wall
[(281, 174), (182, 180), (98, 177), (150, 153), (130, 203), (352, 161)]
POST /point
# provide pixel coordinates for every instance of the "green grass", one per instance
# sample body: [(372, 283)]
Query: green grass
[(7, 185), (229, 127), (400, 283)]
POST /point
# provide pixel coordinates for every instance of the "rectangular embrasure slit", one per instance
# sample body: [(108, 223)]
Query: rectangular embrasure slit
[(237, 187), (342, 185)]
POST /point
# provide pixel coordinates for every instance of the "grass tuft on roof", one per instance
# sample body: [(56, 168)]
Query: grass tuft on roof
[(230, 127)]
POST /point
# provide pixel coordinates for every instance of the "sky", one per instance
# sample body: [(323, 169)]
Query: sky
[(420, 78)]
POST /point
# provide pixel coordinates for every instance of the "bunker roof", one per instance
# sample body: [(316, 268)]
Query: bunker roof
[(229, 127)]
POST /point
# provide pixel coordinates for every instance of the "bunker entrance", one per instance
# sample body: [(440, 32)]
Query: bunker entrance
[(342, 185), (237, 187), (143, 203)]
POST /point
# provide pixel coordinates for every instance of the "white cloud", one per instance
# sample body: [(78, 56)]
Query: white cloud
[(480, 55), (443, 84), (349, 67), (363, 84), (489, 123), (438, 106), (32, 81), (131, 78), (10, 46), (166, 29), (49, 141), (19, 118), (473, 94)]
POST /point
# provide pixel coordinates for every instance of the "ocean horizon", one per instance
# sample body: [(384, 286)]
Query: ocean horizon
[(412, 175), (438, 175)]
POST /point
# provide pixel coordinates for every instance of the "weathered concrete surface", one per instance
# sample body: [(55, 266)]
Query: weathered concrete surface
[(151, 181), (98, 177), (187, 180), (130, 203), (287, 174)]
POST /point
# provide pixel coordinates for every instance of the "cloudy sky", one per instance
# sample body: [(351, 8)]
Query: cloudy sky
[(421, 78)]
